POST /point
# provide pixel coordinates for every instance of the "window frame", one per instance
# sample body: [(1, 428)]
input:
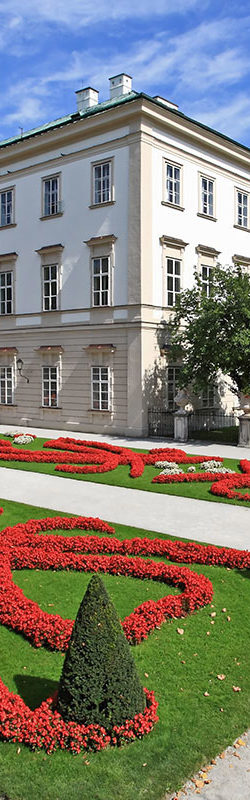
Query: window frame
[(94, 165), (201, 211), (171, 405), (5, 367), (6, 287), (167, 162), (174, 276), (100, 402), (101, 291), (6, 190), (237, 224), (58, 212), (206, 282), (206, 395), (49, 281), (50, 380)]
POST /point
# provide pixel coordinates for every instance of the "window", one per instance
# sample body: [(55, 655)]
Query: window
[(6, 292), (51, 203), (50, 387), (207, 196), (50, 287), (100, 385), (6, 385), (206, 279), (7, 208), (173, 280), (102, 183), (101, 268), (173, 184), (242, 215), (101, 281), (172, 386), (207, 397)]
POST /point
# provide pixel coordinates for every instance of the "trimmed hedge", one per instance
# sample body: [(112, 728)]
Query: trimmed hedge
[(99, 681)]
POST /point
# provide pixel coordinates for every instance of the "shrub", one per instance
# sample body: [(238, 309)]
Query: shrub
[(99, 681)]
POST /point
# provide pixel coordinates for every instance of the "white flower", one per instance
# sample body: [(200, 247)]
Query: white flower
[(166, 464), (208, 465), (23, 439)]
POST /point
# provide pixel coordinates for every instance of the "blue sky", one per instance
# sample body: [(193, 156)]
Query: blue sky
[(193, 52)]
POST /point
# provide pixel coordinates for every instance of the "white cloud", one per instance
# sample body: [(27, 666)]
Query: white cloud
[(196, 68), (231, 117), (85, 13)]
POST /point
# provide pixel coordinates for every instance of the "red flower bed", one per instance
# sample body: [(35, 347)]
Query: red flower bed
[(25, 545), (23, 550), (97, 457), (178, 456), (226, 487), (189, 477), (45, 728), (90, 457)]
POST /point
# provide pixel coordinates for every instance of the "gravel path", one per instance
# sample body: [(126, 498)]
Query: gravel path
[(227, 778)]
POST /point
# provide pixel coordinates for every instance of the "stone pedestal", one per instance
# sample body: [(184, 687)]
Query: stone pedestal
[(244, 430), (181, 426)]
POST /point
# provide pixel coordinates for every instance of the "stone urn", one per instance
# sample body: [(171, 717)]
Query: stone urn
[(245, 403), (182, 400)]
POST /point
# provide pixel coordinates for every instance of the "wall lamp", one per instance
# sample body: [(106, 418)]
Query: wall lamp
[(19, 364)]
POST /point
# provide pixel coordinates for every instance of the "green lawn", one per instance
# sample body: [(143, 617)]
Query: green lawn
[(120, 477), (228, 435), (192, 728)]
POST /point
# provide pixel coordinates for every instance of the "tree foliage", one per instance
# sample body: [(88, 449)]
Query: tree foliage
[(212, 333), (99, 681)]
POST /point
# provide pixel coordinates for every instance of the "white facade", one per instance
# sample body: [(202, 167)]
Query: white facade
[(91, 228)]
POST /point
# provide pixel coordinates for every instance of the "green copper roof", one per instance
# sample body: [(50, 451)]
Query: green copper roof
[(106, 106), (69, 118)]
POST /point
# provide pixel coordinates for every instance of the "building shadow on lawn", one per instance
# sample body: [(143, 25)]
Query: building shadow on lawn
[(34, 690)]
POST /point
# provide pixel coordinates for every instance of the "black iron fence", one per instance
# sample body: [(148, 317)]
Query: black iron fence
[(206, 419), (160, 423)]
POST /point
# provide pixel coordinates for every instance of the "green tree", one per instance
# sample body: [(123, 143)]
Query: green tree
[(99, 681), (212, 333)]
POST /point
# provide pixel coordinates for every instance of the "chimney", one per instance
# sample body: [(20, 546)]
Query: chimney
[(86, 98), (120, 85)]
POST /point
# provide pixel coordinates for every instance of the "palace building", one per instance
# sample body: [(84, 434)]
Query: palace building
[(104, 215)]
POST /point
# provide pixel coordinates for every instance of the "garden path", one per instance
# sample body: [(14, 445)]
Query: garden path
[(204, 521)]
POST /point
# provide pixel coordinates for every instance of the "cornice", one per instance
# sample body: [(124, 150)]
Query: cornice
[(99, 240), (206, 250), (57, 161), (141, 108)]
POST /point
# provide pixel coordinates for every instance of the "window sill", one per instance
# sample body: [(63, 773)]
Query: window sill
[(242, 228), (8, 405), (51, 216), (206, 216), (172, 205), (108, 305), (100, 205), (52, 408), (9, 225), (49, 310), (100, 410)]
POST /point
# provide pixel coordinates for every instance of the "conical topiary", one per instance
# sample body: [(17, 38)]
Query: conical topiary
[(99, 682)]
